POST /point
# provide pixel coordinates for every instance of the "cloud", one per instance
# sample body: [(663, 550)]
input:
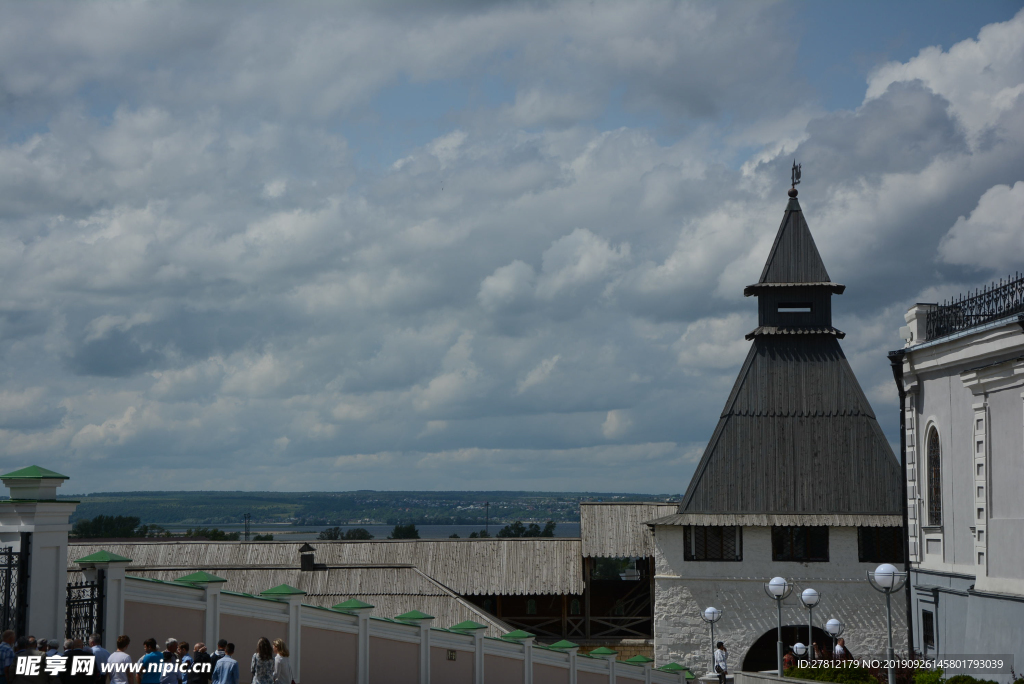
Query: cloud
[(408, 248), (538, 375), (992, 236)]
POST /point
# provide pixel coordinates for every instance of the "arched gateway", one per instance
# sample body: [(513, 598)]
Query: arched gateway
[(762, 654)]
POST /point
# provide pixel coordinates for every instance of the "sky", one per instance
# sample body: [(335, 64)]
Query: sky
[(466, 245)]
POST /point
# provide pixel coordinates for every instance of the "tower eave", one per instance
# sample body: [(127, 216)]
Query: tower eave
[(752, 290)]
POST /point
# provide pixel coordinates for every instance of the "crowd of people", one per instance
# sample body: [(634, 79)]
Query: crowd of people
[(26, 660)]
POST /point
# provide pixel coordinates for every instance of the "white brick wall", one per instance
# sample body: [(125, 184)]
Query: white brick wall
[(684, 589)]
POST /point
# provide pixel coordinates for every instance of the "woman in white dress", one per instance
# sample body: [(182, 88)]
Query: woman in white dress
[(282, 666)]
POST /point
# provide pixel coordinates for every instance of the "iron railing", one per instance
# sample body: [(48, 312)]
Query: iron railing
[(84, 614), (13, 583), (992, 302)]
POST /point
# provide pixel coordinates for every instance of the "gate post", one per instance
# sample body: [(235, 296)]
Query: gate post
[(34, 510), (108, 568)]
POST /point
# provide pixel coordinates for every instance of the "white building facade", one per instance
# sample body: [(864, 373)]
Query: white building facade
[(963, 400), (797, 481)]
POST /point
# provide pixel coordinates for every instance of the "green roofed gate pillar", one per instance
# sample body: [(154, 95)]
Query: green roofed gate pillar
[(108, 568), (211, 585), (477, 631), (293, 597), (362, 611), (35, 524), (421, 620)]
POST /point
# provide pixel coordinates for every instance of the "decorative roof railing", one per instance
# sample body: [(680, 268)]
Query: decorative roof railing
[(992, 302)]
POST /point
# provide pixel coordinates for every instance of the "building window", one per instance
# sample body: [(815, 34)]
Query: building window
[(800, 544), (928, 629), (880, 544), (531, 607), (712, 543), (934, 479), (574, 607)]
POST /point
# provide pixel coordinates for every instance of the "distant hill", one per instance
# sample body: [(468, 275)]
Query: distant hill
[(341, 508)]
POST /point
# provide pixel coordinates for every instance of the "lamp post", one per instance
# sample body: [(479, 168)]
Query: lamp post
[(711, 615), (799, 649), (810, 598), (887, 579), (835, 630), (779, 589)]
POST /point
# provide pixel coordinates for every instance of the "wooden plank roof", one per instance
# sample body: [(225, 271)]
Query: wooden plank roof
[(618, 530), (391, 589), (547, 565)]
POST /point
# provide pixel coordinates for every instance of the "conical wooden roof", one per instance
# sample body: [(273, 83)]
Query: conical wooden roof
[(797, 434)]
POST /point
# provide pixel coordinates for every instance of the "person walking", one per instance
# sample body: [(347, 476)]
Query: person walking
[(7, 640), (262, 664), (121, 659), (170, 657), (150, 663), (721, 662), (282, 666), (100, 654), (218, 654), (186, 662), (226, 670), (200, 662)]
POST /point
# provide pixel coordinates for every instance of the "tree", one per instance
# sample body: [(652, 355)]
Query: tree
[(115, 526), (362, 534), (263, 537), (335, 533), (454, 535), (404, 532), (213, 534), (482, 534), (518, 529)]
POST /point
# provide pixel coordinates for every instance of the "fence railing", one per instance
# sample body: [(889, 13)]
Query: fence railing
[(1000, 299)]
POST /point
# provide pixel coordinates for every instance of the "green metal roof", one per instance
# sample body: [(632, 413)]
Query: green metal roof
[(468, 626), (676, 667), (282, 590), (351, 604), (564, 644), (414, 615), (639, 660), (517, 634), (103, 557), (33, 472), (603, 651), (201, 577)]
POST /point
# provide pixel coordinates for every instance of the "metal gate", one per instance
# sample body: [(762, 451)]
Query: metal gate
[(84, 609), (13, 582)]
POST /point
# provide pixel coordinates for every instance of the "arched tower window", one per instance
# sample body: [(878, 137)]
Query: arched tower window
[(934, 479)]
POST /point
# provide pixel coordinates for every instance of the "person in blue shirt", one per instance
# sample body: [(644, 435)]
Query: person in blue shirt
[(153, 657), (226, 670)]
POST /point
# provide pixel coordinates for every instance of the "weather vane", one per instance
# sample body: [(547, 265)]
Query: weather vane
[(796, 174)]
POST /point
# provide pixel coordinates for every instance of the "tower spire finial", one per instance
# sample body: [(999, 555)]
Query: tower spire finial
[(795, 177)]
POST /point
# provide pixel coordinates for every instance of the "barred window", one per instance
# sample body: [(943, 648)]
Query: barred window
[(880, 544), (713, 543), (934, 479), (800, 544), (928, 629)]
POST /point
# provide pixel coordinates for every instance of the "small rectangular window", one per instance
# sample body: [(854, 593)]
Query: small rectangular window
[(880, 544), (981, 558), (800, 544), (712, 543), (979, 425), (981, 470), (795, 307), (981, 492), (981, 513), (980, 448), (928, 629)]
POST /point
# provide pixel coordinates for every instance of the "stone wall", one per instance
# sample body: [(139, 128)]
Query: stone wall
[(684, 589)]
